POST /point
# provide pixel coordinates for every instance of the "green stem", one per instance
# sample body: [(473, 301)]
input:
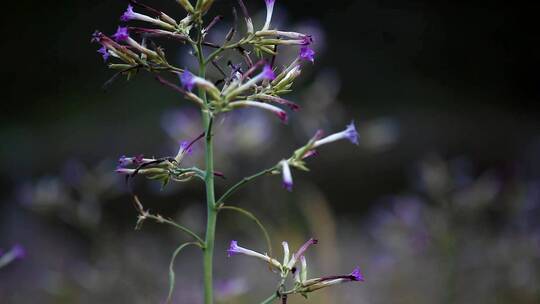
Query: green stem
[(160, 219), (171, 268), (270, 299), (208, 254), (242, 182), (255, 219)]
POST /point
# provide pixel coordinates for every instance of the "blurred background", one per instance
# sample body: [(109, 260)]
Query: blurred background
[(438, 204)]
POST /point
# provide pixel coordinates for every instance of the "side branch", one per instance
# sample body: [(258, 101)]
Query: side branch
[(255, 219), (171, 268), (144, 214), (241, 183)]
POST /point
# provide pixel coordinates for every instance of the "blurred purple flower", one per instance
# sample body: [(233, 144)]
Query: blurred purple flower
[(356, 275), (121, 34), (129, 14), (349, 133), (188, 80), (104, 53), (267, 73), (307, 54)]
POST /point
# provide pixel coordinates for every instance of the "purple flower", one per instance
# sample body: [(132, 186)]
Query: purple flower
[(307, 54), (121, 34), (18, 252), (356, 275), (124, 161), (349, 133), (287, 177), (186, 147), (307, 40), (234, 249), (188, 80), (104, 53), (129, 14), (267, 73), (269, 13)]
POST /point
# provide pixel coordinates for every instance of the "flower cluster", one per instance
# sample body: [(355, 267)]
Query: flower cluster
[(252, 82), (288, 267), (297, 159)]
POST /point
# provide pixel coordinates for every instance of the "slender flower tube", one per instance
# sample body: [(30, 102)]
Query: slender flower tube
[(349, 133), (290, 35), (286, 253), (115, 49), (318, 283), (303, 271), (286, 175), (158, 33), (282, 115), (234, 249), (138, 160), (189, 81), (186, 5), (266, 74), (185, 148), (269, 13), (130, 15), (301, 252), (269, 98), (122, 35)]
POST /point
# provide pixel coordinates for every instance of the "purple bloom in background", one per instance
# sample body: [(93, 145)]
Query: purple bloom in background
[(18, 251), (188, 80), (267, 73), (129, 14), (287, 177), (307, 54), (356, 275), (104, 53), (121, 34)]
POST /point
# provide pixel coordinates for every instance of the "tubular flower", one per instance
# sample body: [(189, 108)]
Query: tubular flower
[(185, 148), (287, 177), (189, 81), (234, 249), (266, 74), (121, 34), (269, 13), (130, 15), (295, 257), (282, 115), (318, 283), (349, 133)]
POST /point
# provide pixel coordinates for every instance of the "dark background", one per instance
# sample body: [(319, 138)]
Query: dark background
[(459, 79)]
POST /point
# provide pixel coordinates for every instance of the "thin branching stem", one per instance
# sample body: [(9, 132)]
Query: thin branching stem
[(242, 182)]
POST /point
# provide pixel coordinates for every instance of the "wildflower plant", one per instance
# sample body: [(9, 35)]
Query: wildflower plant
[(255, 82)]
